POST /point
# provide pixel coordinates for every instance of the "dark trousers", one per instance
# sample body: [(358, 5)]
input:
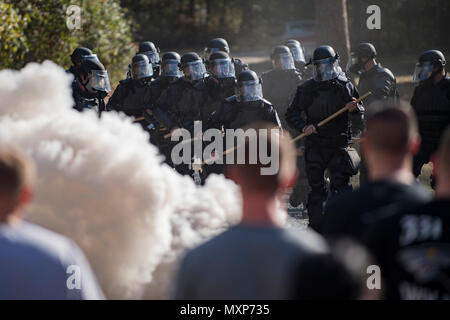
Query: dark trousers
[(322, 154)]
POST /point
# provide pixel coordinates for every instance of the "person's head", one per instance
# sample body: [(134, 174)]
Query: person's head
[(297, 51), (363, 54), (170, 65), (141, 69), (391, 138), (214, 45), (264, 164), (220, 66), (282, 58), (78, 54), (17, 175), (441, 166), (248, 87), (94, 77), (192, 66), (150, 50), (431, 66), (326, 64), (339, 275)]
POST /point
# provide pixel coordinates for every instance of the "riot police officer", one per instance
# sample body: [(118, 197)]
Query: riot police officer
[(170, 71), (325, 147), (374, 78), (152, 52), (298, 53), (210, 93), (248, 104), (91, 86), (431, 102), (176, 108), (220, 44), (133, 94), (77, 57), (279, 86)]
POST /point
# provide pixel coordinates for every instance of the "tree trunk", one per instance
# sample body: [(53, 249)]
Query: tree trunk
[(332, 26)]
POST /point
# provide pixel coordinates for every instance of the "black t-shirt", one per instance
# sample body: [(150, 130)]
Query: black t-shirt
[(349, 213), (413, 250)]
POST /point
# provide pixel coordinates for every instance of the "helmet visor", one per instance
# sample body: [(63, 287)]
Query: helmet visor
[(422, 71), (326, 69), (152, 56), (170, 68), (141, 69), (92, 57), (99, 80), (248, 91), (298, 54), (222, 68), (284, 61), (194, 70)]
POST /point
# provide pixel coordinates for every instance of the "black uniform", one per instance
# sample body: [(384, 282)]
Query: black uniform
[(383, 85), (131, 97), (85, 100), (431, 103), (237, 114), (413, 250), (327, 148)]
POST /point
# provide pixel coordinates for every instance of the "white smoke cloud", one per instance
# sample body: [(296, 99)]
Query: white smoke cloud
[(103, 185)]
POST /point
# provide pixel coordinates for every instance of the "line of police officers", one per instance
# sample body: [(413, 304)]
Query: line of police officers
[(172, 92)]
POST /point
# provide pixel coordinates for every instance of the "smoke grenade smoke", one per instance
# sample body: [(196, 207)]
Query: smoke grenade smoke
[(103, 185)]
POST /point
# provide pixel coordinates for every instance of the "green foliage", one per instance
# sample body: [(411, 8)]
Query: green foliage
[(36, 30), (12, 37)]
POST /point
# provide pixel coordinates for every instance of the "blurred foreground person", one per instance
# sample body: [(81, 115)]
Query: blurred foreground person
[(257, 258), (431, 101), (326, 147), (220, 44), (91, 86), (339, 275), (389, 144), (35, 263), (413, 245)]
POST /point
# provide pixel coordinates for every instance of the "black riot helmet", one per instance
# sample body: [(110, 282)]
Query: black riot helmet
[(248, 87), (428, 61), (298, 53), (221, 66), (151, 51), (94, 77), (192, 66), (170, 62), (326, 64), (217, 44), (141, 67), (282, 58), (363, 51), (78, 54)]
